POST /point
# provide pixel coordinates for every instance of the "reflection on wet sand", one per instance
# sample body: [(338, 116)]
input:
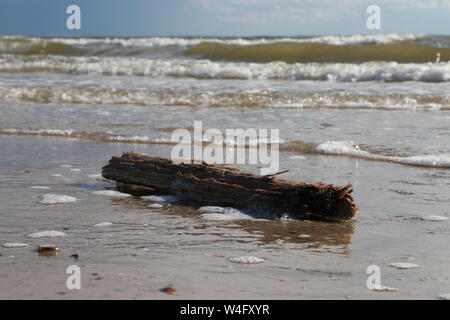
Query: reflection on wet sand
[(312, 234), (328, 236)]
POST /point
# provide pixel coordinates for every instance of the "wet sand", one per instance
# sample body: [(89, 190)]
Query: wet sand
[(146, 249)]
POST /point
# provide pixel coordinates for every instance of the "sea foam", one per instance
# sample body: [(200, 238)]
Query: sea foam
[(56, 199), (111, 193), (46, 234)]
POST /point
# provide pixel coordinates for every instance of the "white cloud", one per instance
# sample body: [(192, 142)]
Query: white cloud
[(263, 11)]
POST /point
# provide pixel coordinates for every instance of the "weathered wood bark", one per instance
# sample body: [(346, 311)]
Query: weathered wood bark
[(232, 187)]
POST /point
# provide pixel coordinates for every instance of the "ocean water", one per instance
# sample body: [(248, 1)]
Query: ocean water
[(369, 110)]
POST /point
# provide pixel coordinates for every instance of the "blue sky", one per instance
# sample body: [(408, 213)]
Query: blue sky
[(222, 17)]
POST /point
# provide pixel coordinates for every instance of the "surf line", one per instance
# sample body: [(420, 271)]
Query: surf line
[(231, 148)]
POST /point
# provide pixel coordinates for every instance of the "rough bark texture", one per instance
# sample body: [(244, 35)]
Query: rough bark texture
[(232, 187)]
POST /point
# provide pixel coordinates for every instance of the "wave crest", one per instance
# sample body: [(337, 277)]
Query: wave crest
[(204, 69)]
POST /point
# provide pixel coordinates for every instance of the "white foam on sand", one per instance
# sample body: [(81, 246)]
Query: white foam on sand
[(46, 234), (384, 289), (246, 260), (444, 296), (435, 218), (111, 193), (103, 224), (211, 209), (56, 199), (162, 198), (214, 213), (155, 205), (403, 265), (15, 245)]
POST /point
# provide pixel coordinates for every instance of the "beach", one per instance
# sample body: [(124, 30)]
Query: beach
[(377, 120)]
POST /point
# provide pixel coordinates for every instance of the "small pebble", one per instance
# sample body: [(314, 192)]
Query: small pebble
[(47, 250), (444, 296), (168, 290)]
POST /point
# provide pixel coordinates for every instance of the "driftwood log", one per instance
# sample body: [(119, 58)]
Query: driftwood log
[(232, 187)]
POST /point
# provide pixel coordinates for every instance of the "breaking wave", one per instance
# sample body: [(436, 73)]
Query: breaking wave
[(205, 69), (261, 99), (350, 149), (291, 52), (335, 148), (121, 46)]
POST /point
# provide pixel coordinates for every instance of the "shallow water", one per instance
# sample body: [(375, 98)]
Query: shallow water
[(144, 248), (59, 126)]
